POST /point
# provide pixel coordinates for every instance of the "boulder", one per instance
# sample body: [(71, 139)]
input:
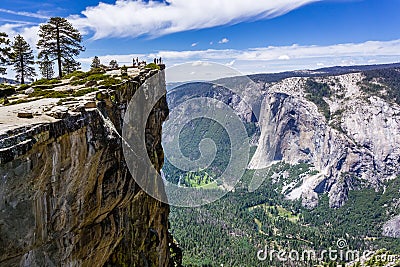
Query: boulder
[(29, 91), (90, 83), (25, 115)]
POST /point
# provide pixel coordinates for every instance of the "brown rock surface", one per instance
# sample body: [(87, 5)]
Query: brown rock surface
[(68, 199)]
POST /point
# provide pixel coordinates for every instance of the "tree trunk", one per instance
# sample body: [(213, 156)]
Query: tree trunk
[(21, 60), (59, 53)]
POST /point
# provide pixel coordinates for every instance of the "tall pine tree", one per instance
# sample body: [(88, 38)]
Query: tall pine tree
[(5, 50), (46, 68), (60, 41), (22, 58)]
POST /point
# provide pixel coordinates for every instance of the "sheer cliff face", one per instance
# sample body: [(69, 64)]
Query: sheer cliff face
[(359, 145), (68, 199)]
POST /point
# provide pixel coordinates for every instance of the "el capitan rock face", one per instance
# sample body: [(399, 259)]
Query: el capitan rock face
[(357, 146), (67, 197)]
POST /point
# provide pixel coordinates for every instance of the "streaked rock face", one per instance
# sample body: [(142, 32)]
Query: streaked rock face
[(358, 146), (392, 228), (67, 197)]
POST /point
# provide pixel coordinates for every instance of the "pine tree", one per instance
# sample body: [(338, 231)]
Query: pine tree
[(46, 67), (95, 63), (113, 64), (70, 65), (61, 41), (22, 58), (5, 50)]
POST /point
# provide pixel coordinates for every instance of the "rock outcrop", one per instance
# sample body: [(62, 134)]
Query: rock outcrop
[(392, 227), (67, 197)]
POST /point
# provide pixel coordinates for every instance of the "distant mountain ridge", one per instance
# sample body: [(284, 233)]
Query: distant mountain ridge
[(6, 80), (328, 71)]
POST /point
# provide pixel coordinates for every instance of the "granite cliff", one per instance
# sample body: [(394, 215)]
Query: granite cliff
[(67, 197), (350, 134)]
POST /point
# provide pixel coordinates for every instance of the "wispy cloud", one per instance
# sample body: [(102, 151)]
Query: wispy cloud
[(24, 14), (16, 21), (194, 44), (134, 18), (224, 41), (29, 30)]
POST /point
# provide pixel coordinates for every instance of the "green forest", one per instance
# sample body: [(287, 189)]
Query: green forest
[(232, 230)]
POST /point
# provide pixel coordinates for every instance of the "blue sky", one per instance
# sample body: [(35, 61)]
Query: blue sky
[(252, 36)]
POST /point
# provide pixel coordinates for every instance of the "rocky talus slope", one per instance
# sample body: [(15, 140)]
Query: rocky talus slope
[(67, 197)]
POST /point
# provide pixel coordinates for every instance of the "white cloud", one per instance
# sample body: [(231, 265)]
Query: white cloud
[(29, 33), (224, 41), (370, 48), (211, 43), (284, 57), (194, 44), (134, 18), (24, 14)]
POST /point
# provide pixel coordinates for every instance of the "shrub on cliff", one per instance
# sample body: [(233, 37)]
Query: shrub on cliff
[(77, 73), (110, 81), (6, 90), (88, 77), (152, 66), (124, 71), (46, 82)]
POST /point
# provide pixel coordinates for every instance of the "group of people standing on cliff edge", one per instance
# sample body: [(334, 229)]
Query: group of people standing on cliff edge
[(137, 63), (157, 61)]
